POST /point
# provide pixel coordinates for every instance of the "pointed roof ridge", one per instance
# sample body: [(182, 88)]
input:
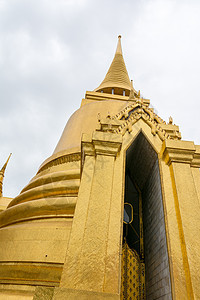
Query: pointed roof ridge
[(2, 172), (117, 76)]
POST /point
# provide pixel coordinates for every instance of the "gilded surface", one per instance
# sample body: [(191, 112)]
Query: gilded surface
[(43, 293), (91, 226), (132, 113), (45, 248), (61, 160), (117, 76), (133, 275), (2, 171)]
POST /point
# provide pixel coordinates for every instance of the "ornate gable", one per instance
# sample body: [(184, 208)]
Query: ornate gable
[(126, 118)]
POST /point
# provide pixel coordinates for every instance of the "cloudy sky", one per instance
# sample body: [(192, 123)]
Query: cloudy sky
[(52, 51)]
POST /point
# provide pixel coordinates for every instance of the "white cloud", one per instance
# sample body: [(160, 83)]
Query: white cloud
[(52, 51)]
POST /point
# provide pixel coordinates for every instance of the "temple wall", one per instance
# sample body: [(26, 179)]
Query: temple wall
[(158, 284)]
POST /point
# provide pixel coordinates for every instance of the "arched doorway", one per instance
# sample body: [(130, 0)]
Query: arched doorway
[(144, 236)]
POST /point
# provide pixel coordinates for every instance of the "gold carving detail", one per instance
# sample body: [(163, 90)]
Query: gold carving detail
[(61, 160), (126, 118), (133, 275)]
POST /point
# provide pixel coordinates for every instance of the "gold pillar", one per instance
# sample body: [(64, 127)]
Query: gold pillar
[(182, 214), (92, 266)]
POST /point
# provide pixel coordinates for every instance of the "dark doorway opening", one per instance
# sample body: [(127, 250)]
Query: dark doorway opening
[(144, 236)]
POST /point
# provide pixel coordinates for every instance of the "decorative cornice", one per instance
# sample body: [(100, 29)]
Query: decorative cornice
[(106, 143), (97, 96), (87, 148), (101, 143), (178, 151), (196, 159)]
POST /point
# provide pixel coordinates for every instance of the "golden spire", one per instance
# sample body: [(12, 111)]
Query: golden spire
[(2, 175), (117, 79)]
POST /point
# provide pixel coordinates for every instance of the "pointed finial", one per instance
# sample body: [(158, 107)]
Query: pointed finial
[(2, 171), (131, 84), (170, 120), (119, 46), (131, 95)]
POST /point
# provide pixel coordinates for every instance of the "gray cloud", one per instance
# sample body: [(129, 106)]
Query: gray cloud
[(52, 51)]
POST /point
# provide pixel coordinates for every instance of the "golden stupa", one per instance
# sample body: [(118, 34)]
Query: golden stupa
[(113, 213)]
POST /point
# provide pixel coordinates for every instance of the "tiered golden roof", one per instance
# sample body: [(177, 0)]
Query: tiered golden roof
[(117, 76)]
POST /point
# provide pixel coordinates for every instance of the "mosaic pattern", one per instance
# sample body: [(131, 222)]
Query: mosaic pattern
[(133, 275)]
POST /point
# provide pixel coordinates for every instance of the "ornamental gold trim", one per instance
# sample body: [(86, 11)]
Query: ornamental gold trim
[(126, 118), (133, 275), (61, 160)]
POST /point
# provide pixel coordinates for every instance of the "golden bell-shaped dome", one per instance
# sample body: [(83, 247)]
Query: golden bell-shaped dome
[(41, 216)]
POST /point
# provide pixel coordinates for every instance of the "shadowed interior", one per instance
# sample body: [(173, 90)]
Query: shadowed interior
[(143, 175)]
